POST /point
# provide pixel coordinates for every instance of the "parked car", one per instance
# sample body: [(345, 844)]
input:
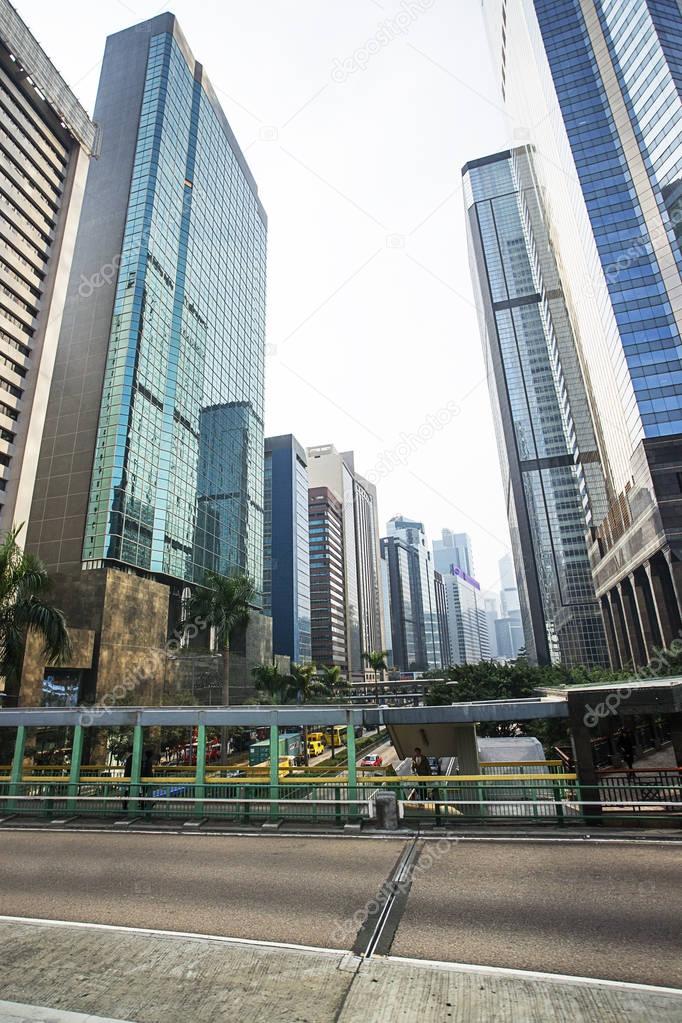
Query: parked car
[(315, 748), (371, 760)]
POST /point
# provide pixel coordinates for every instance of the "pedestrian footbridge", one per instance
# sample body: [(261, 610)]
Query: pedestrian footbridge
[(336, 794)]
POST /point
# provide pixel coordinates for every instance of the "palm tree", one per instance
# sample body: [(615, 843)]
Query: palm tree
[(303, 684), (376, 659), (24, 584), (224, 603), (272, 686), (332, 679), (336, 684)]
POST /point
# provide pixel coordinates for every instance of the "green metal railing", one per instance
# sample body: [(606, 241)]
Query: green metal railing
[(445, 801)]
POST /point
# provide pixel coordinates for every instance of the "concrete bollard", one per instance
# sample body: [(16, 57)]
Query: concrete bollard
[(387, 811)]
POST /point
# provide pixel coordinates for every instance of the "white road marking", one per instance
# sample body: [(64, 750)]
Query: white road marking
[(503, 971)]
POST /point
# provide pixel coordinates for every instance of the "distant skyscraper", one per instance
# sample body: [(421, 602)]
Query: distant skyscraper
[(443, 626), (407, 639), (327, 579), (509, 636), (47, 139), (151, 466), (453, 549), (386, 601), (546, 441), (491, 616), (467, 624), (595, 86), (286, 564), (509, 594), (362, 572), (422, 592)]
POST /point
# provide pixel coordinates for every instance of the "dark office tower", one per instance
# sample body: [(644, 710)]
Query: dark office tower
[(327, 581), (46, 139), (596, 87), (422, 602), (407, 639), (151, 467), (286, 565), (545, 437)]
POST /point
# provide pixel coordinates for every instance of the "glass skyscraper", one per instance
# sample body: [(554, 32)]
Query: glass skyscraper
[(419, 649), (286, 575), (453, 549), (467, 622), (150, 471), (544, 444), (176, 458), (596, 87)]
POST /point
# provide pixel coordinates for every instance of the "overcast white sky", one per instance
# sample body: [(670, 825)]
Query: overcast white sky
[(371, 324)]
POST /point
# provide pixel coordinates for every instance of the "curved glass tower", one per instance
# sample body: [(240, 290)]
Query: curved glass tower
[(545, 439)]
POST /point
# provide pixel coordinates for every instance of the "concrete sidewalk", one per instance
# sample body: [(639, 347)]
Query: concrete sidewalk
[(108, 974)]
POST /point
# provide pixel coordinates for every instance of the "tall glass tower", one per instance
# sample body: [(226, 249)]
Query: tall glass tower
[(596, 87), (545, 439), (173, 348), (151, 466), (421, 603)]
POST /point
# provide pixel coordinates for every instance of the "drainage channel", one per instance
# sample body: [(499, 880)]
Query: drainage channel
[(375, 937)]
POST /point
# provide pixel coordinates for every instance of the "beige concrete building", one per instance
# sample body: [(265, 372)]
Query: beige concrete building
[(46, 142)]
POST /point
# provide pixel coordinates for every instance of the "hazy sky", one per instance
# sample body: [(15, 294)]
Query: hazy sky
[(356, 118)]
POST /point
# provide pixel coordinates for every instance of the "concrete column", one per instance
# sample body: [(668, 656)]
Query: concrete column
[(624, 651), (646, 611), (632, 624), (659, 587), (675, 592), (75, 769), (609, 629), (17, 768), (136, 771), (274, 769), (200, 779), (675, 724), (581, 740)]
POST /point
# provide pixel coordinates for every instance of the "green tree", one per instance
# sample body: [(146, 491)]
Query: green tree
[(303, 686), (24, 608), (273, 687), (225, 604), (439, 695), (333, 680), (376, 659)]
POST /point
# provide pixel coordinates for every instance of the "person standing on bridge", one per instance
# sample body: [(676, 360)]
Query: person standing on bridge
[(626, 747), (421, 767)]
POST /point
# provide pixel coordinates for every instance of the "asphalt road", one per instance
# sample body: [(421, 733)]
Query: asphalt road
[(609, 911), (612, 911)]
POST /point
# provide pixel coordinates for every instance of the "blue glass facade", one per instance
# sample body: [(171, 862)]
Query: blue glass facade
[(630, 256), (177, 480), (596, 87), (286, 575)]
